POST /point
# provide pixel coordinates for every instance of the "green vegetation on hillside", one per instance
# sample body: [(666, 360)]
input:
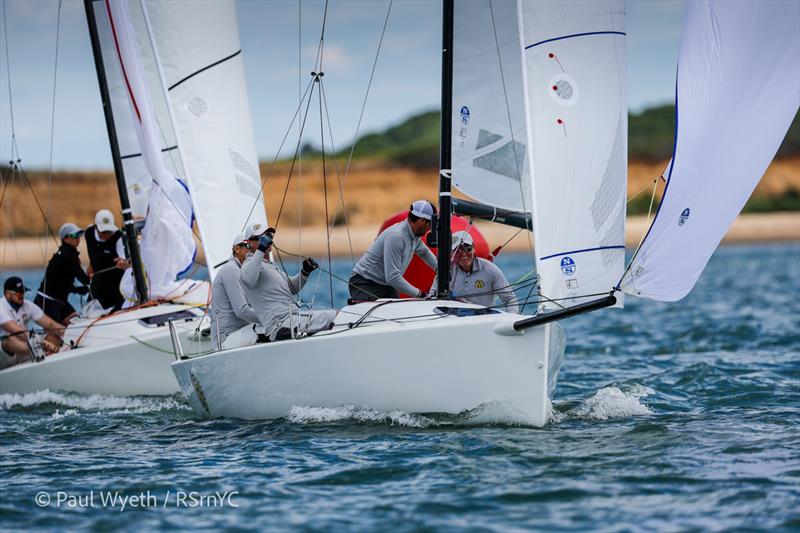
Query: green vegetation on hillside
[(415, 141)]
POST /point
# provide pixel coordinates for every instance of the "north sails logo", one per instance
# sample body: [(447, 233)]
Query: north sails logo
[(568, 266), (684, 217), (464, 115)]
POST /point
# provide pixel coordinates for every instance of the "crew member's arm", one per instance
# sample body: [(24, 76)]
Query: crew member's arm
[(298, 281), (251, 269), (425, 253), (393, 264), (233, 288), (121, 259), (503, 290), (50, 326), (14, 335), (81, 276)]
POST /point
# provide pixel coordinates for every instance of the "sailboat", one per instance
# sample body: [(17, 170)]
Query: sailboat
[(563, 65), (179, 129)]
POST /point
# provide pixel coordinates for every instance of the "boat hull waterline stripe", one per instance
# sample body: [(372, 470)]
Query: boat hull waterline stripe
[(582, 251), (576, 35), (196, 72)]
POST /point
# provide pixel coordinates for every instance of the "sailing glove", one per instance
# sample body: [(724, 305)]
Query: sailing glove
[(309, 266), (264, 242)]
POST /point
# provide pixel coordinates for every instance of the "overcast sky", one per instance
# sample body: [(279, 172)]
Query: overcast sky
[(406, 79)]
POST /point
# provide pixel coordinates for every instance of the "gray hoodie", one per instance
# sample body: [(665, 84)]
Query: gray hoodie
[(229, 308), (388, 256), (270, 291)]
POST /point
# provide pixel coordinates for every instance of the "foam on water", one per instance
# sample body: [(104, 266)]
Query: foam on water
[(93, 402), (607, 403), (322, 415)]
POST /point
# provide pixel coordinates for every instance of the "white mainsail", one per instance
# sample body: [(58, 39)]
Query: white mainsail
[(489, 138), (574, 73), (197, 87), (738, 89)]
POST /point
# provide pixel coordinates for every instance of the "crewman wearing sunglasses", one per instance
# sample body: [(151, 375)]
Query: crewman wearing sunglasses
[(475, 279), (59, 277)]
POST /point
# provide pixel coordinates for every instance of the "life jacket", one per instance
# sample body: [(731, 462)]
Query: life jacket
[(105, 283), (101, 253)]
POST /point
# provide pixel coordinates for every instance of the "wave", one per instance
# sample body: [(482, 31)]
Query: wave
[(94, 402), (607, 403)]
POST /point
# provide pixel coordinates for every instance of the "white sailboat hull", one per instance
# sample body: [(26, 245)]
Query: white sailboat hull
[(119, 355), (433, 365)]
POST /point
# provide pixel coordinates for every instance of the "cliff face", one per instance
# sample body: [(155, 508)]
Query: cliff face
[(372, 191)]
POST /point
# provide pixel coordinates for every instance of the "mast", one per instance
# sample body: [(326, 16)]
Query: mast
[(127, 216), (445, 172)]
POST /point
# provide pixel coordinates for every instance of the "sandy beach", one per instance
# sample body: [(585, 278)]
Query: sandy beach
[(34, 252)]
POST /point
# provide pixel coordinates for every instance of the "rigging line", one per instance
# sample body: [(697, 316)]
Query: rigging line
[(24, 179), (325, 184), (294, 159), (318, 60), (369, 86), (277, 155), (338, 179), (52, 129), (8, 76), (511, 128)]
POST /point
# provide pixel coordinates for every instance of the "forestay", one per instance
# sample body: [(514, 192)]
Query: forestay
[(738, 90), (575, 79), (488, 146)]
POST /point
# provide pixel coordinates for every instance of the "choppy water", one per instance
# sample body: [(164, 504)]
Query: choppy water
[(668, 417)]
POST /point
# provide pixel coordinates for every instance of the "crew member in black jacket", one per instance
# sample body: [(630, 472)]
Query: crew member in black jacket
[(59, 278), (107, 256)]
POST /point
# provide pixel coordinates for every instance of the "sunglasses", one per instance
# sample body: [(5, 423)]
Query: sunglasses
[(466, 247), (73, 235)]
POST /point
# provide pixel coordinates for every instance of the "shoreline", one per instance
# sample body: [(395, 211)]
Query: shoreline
[(34, 252)]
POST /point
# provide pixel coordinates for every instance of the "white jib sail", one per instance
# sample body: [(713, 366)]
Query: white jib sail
[(575, 78), (167, 244), (489, 138), (738, 89), (199, 55)]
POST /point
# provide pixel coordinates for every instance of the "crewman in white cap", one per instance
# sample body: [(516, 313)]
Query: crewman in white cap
[(379, 272), (475, 279), (232, 317), (107, 259), (59, 277)]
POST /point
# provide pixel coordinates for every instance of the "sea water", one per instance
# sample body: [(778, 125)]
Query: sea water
[(679, 416)]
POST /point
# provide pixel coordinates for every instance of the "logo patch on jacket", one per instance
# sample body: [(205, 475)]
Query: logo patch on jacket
[(479, 284)]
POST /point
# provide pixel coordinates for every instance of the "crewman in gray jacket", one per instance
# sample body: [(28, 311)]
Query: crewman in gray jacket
[(475, 279), (232, 318), (379, 272), (272, 294)]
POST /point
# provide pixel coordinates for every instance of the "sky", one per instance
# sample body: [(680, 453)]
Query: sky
[(274, 43)]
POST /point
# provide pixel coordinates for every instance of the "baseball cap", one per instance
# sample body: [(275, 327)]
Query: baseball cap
[(14, 284), (461, 237), (240, 239), (104, 221), (422, 209), (256, 230), (69, 229)]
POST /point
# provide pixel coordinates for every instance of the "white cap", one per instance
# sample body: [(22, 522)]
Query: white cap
[(461, 237), (240, 239), (104, 221), (257, 229), (422, 209), (67, 229)]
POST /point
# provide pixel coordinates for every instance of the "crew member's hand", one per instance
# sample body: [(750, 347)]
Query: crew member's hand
[(264, 242), (270, 231), (90, 271), (81, 289), (309, 266), (122, 264)]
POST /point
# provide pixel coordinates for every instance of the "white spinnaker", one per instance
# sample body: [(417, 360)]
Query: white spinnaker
[(575, 79), (489, 138), (197, 44), (738, 89), (167, 244)]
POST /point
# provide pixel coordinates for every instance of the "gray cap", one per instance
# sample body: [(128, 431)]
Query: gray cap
[(422, 209), (461, 237), (68, 229)]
